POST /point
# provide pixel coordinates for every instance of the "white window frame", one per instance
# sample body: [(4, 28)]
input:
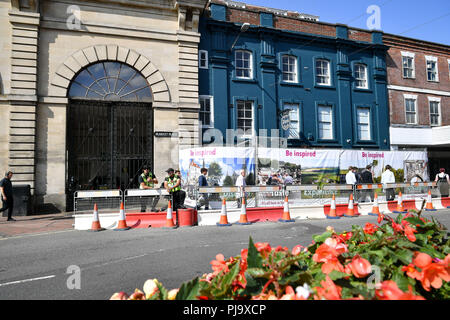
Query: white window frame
[(250, 64), (200, 64), (246, 135), (292, 106), (211, 112), (414, 98), (330, 122), (435, 60), (326, 76), (360, 124), (411, 56), (292, 72), (448, 60), (365, 79), (438, 101)]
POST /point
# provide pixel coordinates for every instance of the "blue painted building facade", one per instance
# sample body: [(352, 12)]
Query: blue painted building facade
[(334, 87)]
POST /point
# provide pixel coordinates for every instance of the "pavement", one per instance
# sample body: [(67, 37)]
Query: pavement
[(35, 224)]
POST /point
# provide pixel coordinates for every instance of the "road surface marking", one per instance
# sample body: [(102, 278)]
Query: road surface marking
[(26, 280)]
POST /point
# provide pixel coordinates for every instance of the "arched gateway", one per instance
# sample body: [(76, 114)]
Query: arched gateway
[(109, 127)]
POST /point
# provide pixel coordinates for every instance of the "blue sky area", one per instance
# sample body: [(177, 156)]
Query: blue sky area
[(420, 19)]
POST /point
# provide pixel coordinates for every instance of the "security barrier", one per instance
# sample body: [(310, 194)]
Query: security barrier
[(106, 200), (144, 200), (304, 202)]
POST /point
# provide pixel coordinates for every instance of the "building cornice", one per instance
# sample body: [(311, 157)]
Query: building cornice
[(280, 33)]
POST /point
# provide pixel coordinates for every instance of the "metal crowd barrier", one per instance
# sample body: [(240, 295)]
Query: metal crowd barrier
[(145, 199), (262, 196), (84, 200), (311, 194)]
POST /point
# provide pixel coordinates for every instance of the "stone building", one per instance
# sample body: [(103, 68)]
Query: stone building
[(419, 97), (94, 89)]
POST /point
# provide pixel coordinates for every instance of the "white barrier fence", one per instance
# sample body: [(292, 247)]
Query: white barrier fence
[(256, 196)]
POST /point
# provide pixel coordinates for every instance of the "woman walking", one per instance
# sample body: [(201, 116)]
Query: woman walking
[(443, 182)]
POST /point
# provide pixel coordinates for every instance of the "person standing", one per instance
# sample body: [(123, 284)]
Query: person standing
[(7, 195), (443, 182), (367, 178), (173, 186), (350, 178), (182, 192), (240, 182), (147, 180), (203, 182), (388, 177)]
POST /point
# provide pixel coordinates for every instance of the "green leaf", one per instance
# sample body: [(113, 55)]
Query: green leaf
[(162, 291), (254, 259), (297, 278), (224, 286), (322, 237), (404, 256), (259, 273), (414, 221), (188, 290), (334, 275), (402, 281)]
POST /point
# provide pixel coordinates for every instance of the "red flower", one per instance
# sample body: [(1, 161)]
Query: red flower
[(412, 272), (343, 237), (390, 291), (263, 248), (280, 248), (421, 259), (380, 217), (432, 276), (332, 264), (297, 250), (397, 227), (219, 264), (370, 228), (409, 233), (360, 267), (432, 273), (328, 291)]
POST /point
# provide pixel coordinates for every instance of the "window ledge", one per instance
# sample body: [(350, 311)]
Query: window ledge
[(291, 84), (324, 87), (244, 80), (362, 89)]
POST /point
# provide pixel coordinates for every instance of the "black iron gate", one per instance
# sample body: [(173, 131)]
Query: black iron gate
[(108, 143)]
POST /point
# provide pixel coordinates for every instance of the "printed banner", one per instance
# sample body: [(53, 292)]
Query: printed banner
[(292, 166)]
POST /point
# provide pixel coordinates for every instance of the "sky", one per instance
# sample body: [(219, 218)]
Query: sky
[(420, 19)]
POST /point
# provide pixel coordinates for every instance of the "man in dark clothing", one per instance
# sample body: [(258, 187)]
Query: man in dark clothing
[(7, 195), (203, 182), (366, 177)]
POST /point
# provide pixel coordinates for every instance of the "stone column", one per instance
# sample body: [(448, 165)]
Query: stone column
[(23, 95)]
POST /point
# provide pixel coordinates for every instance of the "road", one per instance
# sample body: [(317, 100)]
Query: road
[(36, 266)]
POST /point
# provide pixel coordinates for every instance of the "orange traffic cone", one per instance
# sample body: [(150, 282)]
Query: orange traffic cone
[(96, 221), (223, 215), (286, 215), (429, 205), (332, 214), (169, 217), (122, 224), (400, 208), (375, 208), (350, 211), (243, 218)]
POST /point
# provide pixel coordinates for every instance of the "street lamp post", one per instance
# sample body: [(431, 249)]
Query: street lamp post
[(244, 28)]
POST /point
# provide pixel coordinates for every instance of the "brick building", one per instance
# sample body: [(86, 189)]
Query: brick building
[(419, 97), (329, 78)]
